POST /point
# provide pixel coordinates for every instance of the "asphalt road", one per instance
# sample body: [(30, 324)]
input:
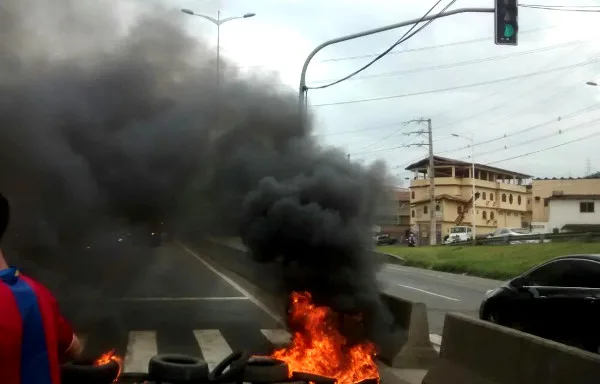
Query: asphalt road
[(142, 301), (441, 292)]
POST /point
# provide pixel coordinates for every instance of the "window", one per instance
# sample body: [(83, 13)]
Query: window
[(504, 197), (554, 274), (412, 214), (484, 215), (545, 202), (491, 196), (437, 208), (510, 199), (425, 209), (459, 209), (586, 207), (484, 196), (412, 195), (567, 273), (519, 200), (587, 272), (491, 215)]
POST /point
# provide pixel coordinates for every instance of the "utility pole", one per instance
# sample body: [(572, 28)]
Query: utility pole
[(588, 167), (431, 173), (431, 176), (348, 157)]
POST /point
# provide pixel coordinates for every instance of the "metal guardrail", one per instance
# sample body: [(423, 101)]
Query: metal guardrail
[(533, 238)]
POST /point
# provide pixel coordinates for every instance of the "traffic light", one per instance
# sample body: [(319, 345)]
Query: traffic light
[(506, 22)]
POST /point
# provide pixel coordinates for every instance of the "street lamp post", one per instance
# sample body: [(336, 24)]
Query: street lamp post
[(218, 22), (473, 224)]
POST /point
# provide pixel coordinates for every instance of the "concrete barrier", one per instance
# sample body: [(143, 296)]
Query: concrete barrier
[(478, 352), (410, 346)]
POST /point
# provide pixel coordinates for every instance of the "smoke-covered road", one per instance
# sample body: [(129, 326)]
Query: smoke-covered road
[(173, 302)]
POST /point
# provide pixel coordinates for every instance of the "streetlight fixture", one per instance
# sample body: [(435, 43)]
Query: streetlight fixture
[(218, 22), (474, 236), (592, 83)]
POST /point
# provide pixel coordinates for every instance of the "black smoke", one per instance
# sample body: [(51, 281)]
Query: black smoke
[(102, 125)]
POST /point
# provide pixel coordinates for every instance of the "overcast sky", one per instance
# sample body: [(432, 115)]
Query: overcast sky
[(555, 105)]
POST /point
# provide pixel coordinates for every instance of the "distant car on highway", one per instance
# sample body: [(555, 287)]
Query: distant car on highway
[(557, 300), (385, 240)]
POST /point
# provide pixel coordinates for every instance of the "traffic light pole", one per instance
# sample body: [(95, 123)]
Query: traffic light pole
[(302, 89)]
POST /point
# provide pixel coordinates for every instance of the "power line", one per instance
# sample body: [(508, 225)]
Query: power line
[(458, 87), (385, 137), (536, 139), (559, 6), (407, 35), (461, 63), (553, 8), (528, 129), (520, 97), (425, 48), (462, 42), (546, 149), (361, 129)]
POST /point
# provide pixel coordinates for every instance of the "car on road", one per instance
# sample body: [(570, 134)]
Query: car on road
[(557, 300)]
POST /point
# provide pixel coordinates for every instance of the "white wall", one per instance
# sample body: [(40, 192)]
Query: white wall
[(563, 212)]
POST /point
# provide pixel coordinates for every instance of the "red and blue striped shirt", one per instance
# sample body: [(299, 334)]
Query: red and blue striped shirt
[(33, 333)]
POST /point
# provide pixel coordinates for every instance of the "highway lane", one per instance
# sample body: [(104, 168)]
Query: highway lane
[(442, 292)]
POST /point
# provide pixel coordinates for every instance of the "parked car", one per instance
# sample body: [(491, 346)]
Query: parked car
[(385, 240), (458, 234), (515, 233), (557, 300)]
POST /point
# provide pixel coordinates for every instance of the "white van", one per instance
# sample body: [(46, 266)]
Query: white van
[(461, 233)]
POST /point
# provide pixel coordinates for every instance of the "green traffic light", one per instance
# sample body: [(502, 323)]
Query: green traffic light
[(509, 30)]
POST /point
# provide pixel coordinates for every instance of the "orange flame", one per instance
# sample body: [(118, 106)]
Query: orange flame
[(108, 357), (319, 348)]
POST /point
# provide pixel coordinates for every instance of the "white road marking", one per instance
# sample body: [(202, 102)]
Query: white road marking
[(277, 337), (427, 292), (472, 285), (141, 347), (234, 285), (213, 345), (427, 274), (140, 299)]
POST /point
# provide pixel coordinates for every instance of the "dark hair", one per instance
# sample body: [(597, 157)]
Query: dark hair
[(4, 214)]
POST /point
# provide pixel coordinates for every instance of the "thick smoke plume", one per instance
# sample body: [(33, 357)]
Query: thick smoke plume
[(105, 124)]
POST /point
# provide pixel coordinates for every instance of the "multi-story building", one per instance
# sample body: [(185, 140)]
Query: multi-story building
[(394, 213), (542, 191), (500, 198)]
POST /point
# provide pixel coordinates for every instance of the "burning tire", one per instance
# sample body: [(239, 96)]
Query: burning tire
[(86, 371), (264, 369), (236, 362), (177, 368)]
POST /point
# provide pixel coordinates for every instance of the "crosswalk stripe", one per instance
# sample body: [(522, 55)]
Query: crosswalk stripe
[(278, 337), (213, 345), (141, 347)]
